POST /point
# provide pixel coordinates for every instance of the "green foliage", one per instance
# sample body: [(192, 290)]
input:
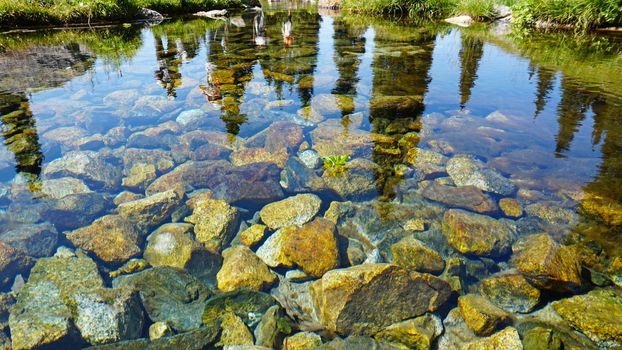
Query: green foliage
[(478, 9), (581, 14), (422, 8), (336, 165)]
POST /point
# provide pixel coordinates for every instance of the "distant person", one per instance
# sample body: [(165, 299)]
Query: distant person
[(287, 30)]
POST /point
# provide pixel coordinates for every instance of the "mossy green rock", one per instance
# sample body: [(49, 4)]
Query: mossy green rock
[(480, 315), (539, 338), (511, 292), (412, 254), (417, 333), (342, 297), (169, 294), (249, 305), (476, 234), (596, 314), (547, 264)]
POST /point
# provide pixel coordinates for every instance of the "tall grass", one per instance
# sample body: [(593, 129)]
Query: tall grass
[(581, 14), (478, 9)]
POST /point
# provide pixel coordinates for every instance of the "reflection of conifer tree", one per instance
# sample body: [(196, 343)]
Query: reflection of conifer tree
[(349, 46), (399, 83), (20, 135), (470, 55), (169, 64), (572, 108), (546, 78)]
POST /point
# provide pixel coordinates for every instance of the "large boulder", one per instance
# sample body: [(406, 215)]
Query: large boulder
[(596, 314), (112, 238), (215, 223), (468, 171), (342, 297), (296, 210), (241, 268), (168, 294), (476, 234), (547, 264)]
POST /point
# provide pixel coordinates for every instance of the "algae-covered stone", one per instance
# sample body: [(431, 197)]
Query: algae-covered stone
[(417, 333), (151, 211), (547, 264), (234, 331), (112, 238), (302, 341), (139, 176), (596, 314), (243, 269), (468, 171), (44, 310), (174, 245), (477, 234), (511, 207), (357, 182), (609, 209), (511, 292), (197, 339), (109, 315), (480, 315), (540, 338), (249, 305), (168, 294), (313, 247), (507, 339), (160, 329), (270, 329), (412, 254), (253, 235), (296, 210), (215, 223), (342, 297), (132, 266)]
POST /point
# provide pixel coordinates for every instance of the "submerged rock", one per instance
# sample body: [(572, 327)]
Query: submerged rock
[(466, 197), (302, 341), (250, 306), (468, 171), (37, 240), (112, 238), (168, 294), (417, 333), (243, 269), (296, 210), (272, 252), (596, 314), (253, 235), (342, 297), (196, 339), (151, 211), (215, 223), (313, 247), (547, 264), (88, 166), (109, 315), (329, 140), (412, 254), (357, 182), (174, 245), (507, 339), (311, 159), (511, 207), (12, 263), (510, 291), (298, 178), (480, 315), (234, 331), (477, 234)]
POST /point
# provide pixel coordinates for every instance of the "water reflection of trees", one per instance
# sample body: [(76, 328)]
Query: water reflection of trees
[(471, 52)]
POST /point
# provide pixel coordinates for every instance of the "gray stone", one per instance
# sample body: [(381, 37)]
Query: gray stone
[(37, 240), (468, 171), (88, 166), (311, 159)]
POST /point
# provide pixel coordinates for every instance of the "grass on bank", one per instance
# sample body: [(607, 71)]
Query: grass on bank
[(14, 13), (581, 14)]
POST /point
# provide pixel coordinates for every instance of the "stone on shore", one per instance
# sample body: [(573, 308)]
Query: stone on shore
[(412, 254), (480, 315)]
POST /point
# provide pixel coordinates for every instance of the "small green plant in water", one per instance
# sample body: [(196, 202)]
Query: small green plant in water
[(336, 165)]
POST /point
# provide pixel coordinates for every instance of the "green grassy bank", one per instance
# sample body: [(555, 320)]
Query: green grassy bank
[(580, 14), (20, 13)]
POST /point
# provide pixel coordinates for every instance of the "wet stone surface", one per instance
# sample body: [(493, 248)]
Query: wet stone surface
[(309, 180)]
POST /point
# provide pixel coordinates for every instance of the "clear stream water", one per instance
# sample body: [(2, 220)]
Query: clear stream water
[(544, 110)]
